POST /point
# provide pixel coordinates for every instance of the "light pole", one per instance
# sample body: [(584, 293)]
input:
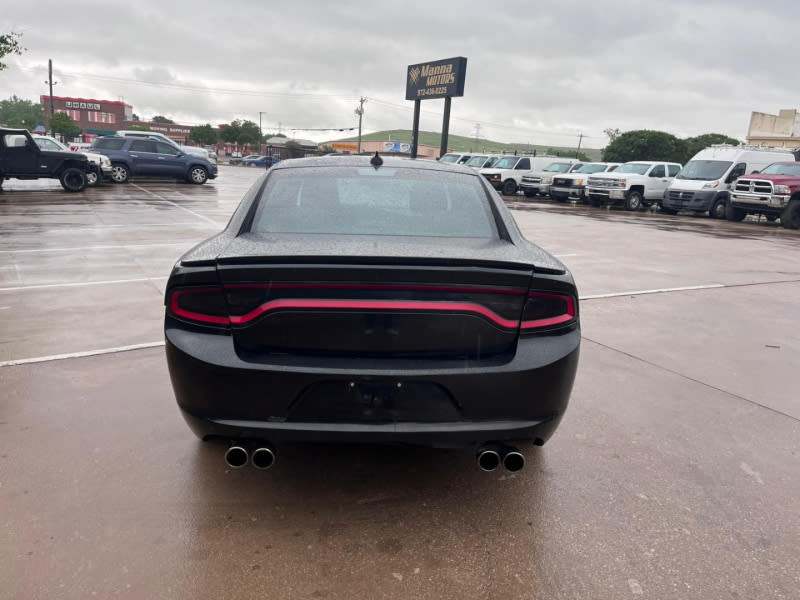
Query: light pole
[(51, 83), (260, 132), (360, 112)]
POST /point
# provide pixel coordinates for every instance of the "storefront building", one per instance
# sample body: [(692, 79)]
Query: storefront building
[(106, 117)]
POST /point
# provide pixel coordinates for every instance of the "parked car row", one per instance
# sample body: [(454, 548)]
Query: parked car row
[(727, 182)]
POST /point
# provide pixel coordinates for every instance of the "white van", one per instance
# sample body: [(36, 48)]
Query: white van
[(704, 183), (456, 158), (506, 174)]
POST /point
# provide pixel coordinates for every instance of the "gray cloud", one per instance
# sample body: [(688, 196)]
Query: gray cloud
[(539, 72)]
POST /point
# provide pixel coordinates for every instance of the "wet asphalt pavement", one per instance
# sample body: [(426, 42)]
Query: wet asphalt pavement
[(675, 472)]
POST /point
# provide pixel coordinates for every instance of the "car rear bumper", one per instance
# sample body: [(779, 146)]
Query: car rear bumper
[(426, 402)]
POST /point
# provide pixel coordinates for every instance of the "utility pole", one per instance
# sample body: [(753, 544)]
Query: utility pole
[(580, 139), (260, 132), (477, 132), (51, 83), (360, 112)]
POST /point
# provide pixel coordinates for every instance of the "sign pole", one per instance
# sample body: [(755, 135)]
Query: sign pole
[(415, 129), (445, 126)]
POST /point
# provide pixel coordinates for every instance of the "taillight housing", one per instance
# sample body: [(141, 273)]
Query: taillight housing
[(199, 305), (548, 310)]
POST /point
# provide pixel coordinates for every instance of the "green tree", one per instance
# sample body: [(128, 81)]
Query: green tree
[(9, 44), (24, 114), (162, 119), (135, 117), (249, 133), (294, 149), (698, 142), (230, 133), (645, 144), (62, 123), (205, 135)]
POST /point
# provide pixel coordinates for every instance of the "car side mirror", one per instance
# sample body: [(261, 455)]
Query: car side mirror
[(754, 172)]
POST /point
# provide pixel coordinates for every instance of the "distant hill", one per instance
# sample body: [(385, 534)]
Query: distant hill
[(460, 143)]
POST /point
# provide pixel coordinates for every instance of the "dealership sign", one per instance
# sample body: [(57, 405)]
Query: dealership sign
[(437, 79)]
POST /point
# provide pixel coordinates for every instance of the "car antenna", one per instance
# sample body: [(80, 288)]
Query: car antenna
[(376, 161)]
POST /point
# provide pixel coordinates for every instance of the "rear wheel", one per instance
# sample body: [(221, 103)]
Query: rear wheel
[(73, 179), (719, 209), (771, 218), (119, 173), (790, 217), (561, 199), (633, 201), (669, 211), (198, 175), (594, 202), (529, 194), (734, 214), (509, 187)]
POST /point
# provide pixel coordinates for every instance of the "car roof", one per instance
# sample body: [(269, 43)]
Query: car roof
[(8, 131), (364, 161)]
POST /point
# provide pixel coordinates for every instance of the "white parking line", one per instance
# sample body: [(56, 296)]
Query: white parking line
[(78, 284), (109, 247), (709, 286), (191, 212), (38, 359)]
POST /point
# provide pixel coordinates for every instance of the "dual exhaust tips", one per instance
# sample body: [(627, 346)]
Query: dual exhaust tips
[(238, 455), (491, 456), (262, 457)]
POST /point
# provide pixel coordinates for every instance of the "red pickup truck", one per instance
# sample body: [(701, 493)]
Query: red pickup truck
[(774, 192)]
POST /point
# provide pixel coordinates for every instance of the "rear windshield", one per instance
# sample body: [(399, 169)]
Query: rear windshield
[(366, 201), (783, 169), (109, 143)]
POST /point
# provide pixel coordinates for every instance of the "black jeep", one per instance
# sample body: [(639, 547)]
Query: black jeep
[(21, 158)]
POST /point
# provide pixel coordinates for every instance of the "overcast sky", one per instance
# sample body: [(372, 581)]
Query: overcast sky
[(538, 71)]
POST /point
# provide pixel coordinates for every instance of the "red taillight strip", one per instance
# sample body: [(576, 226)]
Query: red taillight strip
[(401, 305), (373, 287), (194, 316), (550, 321)]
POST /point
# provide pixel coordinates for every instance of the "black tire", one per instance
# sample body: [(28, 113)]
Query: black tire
[(771, 218), (669, 211), (529, 194), (197, 175), (734, 214), (790, 217), (719, 209), (93, 178), (509, 187), (120, 173), (633, 200), (73, 179), (595, 202)]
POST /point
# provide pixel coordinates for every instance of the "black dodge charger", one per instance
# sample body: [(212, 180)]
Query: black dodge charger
[(375, 300)]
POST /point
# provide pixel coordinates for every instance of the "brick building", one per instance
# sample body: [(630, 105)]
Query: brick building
[(106, 117)]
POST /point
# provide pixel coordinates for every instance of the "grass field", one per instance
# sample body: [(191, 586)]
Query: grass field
[(458, 143)]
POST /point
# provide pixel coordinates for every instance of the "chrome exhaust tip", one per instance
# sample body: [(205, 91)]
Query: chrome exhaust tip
[(236, 456), (488, 458), (513, 460), (263, 457)]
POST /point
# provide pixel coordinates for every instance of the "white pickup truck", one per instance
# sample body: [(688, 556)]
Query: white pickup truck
[(635, 184), (538, 182)]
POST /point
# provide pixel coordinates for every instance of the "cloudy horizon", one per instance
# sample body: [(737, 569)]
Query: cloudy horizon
[(538, 73)]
